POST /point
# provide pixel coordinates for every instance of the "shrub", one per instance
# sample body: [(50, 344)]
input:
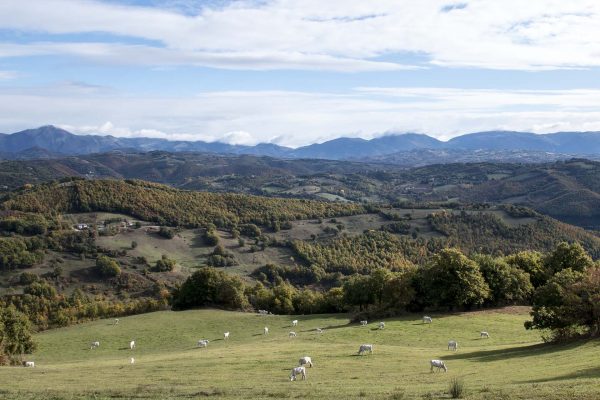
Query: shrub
[(210, 238), (27, 278), (165, 264), (107, 267), (166, 232), (457, 388)]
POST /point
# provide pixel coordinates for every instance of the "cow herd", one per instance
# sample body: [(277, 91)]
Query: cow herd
[(306, 361)]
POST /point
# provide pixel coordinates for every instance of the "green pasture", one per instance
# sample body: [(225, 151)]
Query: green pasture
[(512, 364)]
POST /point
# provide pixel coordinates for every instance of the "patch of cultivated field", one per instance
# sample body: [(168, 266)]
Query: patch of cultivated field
[(513, 363)]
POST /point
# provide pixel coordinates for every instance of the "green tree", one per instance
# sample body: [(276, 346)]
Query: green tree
[(556, 305), (208, 286), (508, 284), (15, 332), (456, 281), (377, 282), (567, 256), (357, 291), (398, 291), (531, 262)]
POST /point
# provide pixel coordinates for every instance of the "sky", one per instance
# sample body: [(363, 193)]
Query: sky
[(295, 72)]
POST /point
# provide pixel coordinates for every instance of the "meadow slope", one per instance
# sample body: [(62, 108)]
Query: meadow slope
[(513, 363)]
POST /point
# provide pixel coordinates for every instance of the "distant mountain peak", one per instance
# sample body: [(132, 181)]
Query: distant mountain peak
[(57, 141)]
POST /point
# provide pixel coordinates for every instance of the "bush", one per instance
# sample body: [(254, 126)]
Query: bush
[(165, 264), (211, 238), (457, 388), (166, 232), (27, 278), (250, 230), (107, 267)]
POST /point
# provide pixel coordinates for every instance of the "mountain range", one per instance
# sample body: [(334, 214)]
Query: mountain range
[(52, 142)]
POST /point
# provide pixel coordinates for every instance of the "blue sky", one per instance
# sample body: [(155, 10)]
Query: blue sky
[(302, 71)]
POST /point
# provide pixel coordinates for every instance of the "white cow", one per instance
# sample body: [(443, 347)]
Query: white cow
[(292, 334), (319, 330), (382, 325), (427, 320), (132, 360), (298, 371), (306, 360), (94, 345), (29, 364), (266, 331), (364, 348), (226, 336), (363, 323), (203, 343), (295, 322), (484, 334), (439, 364), (452, 345), (132, 345)]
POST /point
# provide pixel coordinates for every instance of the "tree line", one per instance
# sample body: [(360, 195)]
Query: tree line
[(562, 285)]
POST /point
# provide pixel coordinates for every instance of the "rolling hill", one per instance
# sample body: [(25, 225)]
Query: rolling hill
[(568, 190)]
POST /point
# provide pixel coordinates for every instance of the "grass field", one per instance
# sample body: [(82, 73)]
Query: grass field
[(513, 363)]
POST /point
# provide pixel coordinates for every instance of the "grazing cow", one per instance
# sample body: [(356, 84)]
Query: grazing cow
[(306, 360), (29, 364), (132, 345), (94, 345), (298, 371), (132, 360), (292, 334), (427, 320), (226, 336), (439, 364), (382, 325), (452, 345), (364, 348), (266, 331), (203, 343), (116, 321), (319, 330), (295, 322), (363, 323), (484, 334)]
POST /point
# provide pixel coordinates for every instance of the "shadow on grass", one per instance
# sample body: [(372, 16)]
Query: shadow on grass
[(593, 372), (515, 352)]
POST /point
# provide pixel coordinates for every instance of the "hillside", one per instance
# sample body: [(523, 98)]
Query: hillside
[(566, 190), (164, 205), (308, 242)]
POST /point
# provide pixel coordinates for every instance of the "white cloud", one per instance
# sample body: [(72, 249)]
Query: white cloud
[(8, 75), (344, 35), (299, 118)]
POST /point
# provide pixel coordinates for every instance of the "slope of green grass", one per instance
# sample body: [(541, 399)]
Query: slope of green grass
[(511, 364)]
